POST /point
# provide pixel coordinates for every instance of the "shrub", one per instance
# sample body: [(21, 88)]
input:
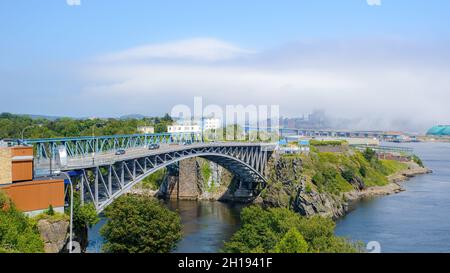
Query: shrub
[(327, 142), (18, 234), (50, 211), (363, 171), (348, 175), (418, 161), (154, 180), (369, 154)]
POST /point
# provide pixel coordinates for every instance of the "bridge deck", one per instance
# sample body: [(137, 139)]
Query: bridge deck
[(109, 157)]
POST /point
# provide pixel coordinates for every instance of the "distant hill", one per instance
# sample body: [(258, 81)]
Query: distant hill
[(132, 116), (52, 118)]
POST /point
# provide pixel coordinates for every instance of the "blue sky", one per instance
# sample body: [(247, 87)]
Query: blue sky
[(51, 53), (50, 30)]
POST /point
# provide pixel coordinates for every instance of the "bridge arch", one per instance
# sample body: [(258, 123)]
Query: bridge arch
[(106, 181), (209, 156)]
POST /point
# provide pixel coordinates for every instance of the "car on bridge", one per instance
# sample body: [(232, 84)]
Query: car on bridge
[(153, 146), (120, 152)]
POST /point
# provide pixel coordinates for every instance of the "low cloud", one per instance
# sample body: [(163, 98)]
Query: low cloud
[(385, 84), (201, 49)]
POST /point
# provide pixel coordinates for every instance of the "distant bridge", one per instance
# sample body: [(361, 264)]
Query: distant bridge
[(326, 132), (102, 175)]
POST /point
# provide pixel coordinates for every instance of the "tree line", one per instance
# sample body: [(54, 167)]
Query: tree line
[(12, 126)]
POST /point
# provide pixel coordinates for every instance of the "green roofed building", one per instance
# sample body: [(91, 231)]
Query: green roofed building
[(439, 130)]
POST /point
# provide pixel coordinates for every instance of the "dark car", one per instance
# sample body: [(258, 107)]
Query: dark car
[(120, 152), (187, 142), (153, 146)]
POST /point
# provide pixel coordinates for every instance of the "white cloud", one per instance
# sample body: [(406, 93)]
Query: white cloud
[(381, 84), (200, 49)]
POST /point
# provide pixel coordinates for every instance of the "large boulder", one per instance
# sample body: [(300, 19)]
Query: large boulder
[(54, 233)]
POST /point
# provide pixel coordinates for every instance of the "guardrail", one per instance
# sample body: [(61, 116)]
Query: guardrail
[(386, 149)]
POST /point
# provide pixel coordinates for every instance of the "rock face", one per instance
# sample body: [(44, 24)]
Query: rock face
[(287, 188), (323, 204), (54, 234)]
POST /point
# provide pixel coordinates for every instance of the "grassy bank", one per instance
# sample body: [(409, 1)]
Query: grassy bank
[(343, 172)]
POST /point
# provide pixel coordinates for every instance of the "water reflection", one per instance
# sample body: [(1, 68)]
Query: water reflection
[(206, 225)]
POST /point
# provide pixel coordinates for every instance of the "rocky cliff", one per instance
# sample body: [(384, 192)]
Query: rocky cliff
[(54, 232), (288, 187), (291, 184)]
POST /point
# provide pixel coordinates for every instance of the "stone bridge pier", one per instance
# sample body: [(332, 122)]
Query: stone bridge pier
[(183, 182)]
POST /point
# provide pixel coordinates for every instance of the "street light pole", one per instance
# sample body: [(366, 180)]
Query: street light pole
[(27, 127), (94, 146), (71, 211)]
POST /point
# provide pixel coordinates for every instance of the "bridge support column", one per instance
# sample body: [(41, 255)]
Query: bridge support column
[(185, 187)]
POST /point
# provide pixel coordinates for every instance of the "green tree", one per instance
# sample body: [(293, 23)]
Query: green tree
[(270, 230), (50, 211), (83, 215), (369, 154), (418, 161), (18, 234), (139, 224), (292, 242), (11, 126), (160, 128), (154, 181)]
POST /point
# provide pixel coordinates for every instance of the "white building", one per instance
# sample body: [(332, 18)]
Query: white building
[(146, 129), (184, 129), (194, 127), (211, 124)]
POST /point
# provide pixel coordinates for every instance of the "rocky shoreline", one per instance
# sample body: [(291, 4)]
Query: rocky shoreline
[(394, 184), (289, 188)]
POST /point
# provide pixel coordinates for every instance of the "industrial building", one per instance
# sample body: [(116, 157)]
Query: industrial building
[(29, 195), (439, 130)]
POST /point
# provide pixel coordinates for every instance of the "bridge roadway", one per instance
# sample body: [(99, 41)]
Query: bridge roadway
[(109, 157)]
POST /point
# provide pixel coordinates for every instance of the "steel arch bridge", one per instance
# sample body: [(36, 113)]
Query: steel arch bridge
[(103, 183), (101, 175)]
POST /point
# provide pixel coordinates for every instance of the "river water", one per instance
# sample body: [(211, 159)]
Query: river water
[(416, 220)]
